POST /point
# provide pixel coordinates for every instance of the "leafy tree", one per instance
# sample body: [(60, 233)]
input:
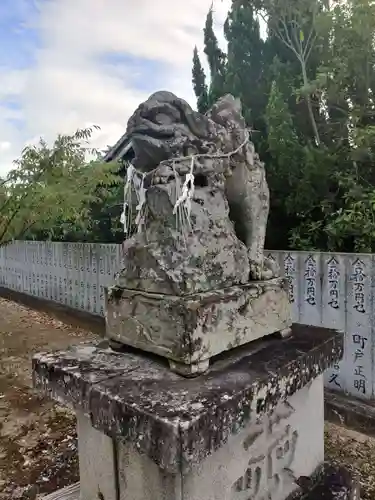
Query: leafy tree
[(316, 72), (296, 179), (346, 80), (296, 25), (51, 188)]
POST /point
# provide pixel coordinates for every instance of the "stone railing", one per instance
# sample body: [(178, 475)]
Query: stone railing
[(331, 290)]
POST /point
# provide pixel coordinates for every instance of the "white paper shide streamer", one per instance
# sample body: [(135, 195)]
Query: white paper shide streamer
[(139, 185), (134, 181), (187, 192), (127, 198)]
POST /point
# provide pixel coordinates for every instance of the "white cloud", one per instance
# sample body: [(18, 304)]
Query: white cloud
[(69, 84), (12, 83), (5, 145)]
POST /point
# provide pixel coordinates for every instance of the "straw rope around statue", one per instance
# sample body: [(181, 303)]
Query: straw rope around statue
[(135, 182)]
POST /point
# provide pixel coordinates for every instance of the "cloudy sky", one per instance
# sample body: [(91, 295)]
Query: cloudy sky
[(66, 64)]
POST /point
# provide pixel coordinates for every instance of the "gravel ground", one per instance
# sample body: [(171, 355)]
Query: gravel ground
[(37, 437), (38, 443), (356, 451)]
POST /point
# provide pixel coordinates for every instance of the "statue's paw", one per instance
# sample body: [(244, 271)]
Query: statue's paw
[(285, 333), (265, 270), (256, 271), (271, 268), (267, 274)]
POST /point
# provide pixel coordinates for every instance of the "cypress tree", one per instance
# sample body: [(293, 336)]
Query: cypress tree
[(245, 66), (216, 60), (199, 83)]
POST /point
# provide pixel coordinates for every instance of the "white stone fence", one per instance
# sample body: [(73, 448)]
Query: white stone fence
[(332, 290), (72, 274)]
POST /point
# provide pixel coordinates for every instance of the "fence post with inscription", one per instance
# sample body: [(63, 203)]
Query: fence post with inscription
[(358, 346), (334, 309), (311, 286)]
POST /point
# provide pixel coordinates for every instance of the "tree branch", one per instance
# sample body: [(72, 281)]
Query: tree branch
[(4, 181), (14, 214), (20, 233), (307, 55), (35, 180), (309, 40), (297, 37), (285, 42), (8, 223)]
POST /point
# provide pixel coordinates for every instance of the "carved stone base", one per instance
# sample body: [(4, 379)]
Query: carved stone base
[(278, 457), (251, 427), (254, 463), (189, 330)]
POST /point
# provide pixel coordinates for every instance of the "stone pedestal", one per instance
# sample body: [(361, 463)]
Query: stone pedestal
[(251, 427), (189, 330)]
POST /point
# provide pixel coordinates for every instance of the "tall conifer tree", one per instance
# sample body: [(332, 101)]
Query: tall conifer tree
[(245, 70), (199, 83), (216, 60)]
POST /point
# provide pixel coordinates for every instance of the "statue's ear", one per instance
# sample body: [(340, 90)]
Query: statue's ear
[(238, 104)]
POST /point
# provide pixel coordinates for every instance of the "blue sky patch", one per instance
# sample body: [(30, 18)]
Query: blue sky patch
[(18, 39), (143, 74)]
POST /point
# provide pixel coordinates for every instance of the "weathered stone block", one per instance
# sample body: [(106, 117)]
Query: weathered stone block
[(190, 330), (262, 461), (179, 421), (251, 427)]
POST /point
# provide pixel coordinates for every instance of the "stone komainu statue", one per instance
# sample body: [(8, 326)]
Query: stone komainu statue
[(230, 205), (195, 282)]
